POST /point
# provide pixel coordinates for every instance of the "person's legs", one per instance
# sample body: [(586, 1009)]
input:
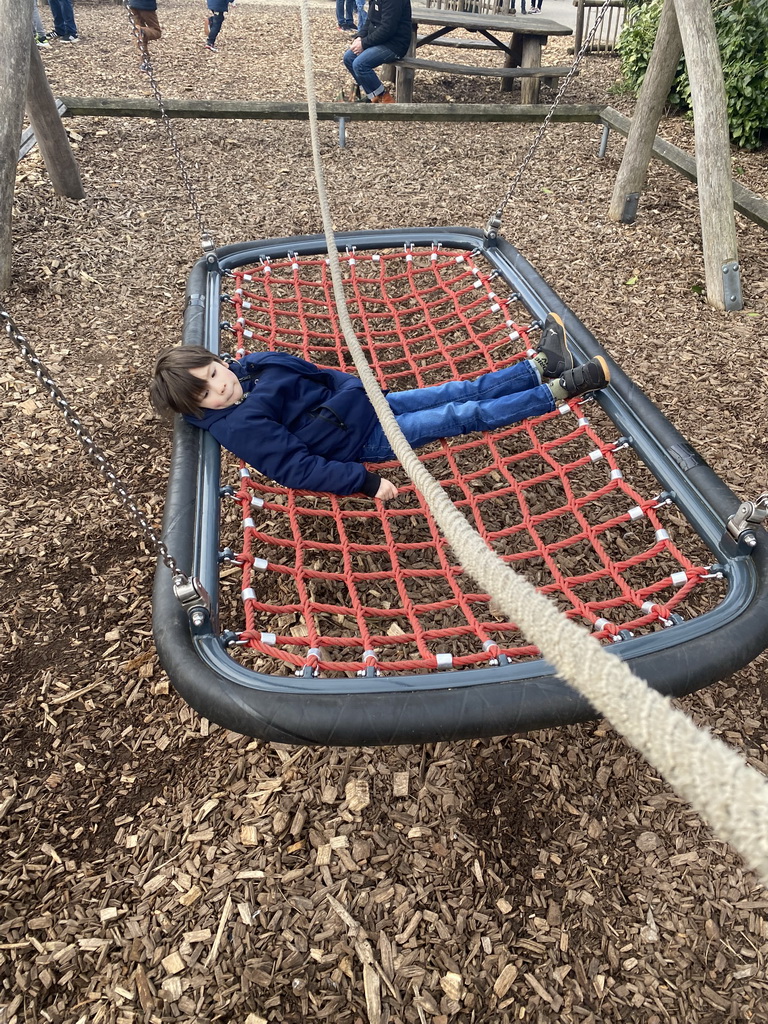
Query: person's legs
[(362, 17), (57, 15), (63, 18), (361, 67), (148, 27), (520, 376), (215, 21), (492, 401), (462, 407), (37, 23), (344, 14)]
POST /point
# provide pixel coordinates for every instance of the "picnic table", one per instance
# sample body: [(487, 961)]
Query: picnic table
[(522, 52)]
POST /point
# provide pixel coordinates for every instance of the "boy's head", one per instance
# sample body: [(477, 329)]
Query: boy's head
[(189, 379)]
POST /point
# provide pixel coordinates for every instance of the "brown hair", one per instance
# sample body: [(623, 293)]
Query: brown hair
[(173, 388)]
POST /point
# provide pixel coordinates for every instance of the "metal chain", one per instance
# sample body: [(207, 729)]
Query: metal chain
[(494, 221), (92, 450), (206, 238)]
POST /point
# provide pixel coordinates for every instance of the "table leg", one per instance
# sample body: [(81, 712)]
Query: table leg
[(404, 76), (513, 59), (529, 87)]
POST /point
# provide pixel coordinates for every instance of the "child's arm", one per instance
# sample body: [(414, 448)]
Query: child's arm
[(278, 454)]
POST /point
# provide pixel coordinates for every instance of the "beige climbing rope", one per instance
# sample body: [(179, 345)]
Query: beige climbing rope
[(712, 777)]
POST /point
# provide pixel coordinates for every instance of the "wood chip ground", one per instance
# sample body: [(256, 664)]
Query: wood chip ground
[(154, 868)]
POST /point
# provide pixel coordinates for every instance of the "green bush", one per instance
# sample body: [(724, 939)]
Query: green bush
[(742, 33)]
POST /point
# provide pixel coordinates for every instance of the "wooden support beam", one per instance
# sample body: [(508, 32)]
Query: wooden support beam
[(264, 111), (713, 151), (659, 75), (746, 202), (688, 25), (14, 61), (51, 137)]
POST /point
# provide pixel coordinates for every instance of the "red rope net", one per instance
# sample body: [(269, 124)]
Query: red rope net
[(345, 585)]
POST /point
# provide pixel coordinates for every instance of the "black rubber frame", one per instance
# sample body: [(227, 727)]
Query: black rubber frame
[(448, 705)]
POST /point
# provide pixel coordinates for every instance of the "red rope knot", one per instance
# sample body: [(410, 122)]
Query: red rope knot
[(370, 661), (615, 633), (662, 612), (493, 651), (311, 664)]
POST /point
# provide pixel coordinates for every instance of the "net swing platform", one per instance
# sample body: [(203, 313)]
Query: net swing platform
[(354, 624)]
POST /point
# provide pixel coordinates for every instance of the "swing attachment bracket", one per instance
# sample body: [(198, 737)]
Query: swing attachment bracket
[(195, 601), (741, 524)]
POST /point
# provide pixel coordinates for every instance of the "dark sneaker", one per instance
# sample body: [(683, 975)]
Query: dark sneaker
[(591, 376), (553, 344), (211, 47)]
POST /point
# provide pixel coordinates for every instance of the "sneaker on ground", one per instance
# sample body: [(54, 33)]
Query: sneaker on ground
[(554, 345), (42, 41), (211, 47), (591, 376), (69, 39)]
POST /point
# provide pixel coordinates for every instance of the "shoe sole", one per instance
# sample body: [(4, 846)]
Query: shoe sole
[(604, 367)]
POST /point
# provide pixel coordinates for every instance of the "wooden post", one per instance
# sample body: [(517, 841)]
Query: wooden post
[(16, 19), (713, 152), (51, 137), (696, 28), (659, 76)]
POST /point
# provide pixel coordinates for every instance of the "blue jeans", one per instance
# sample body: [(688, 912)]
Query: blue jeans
[(215, 21), (361, 67), (63, 18), (345, 10), (458, 407)]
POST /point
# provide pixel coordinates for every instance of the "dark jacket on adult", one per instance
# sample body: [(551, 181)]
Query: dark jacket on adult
[(298, 424), (143, 5), (388, 24)]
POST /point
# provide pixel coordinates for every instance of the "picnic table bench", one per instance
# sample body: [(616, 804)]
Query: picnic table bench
[(522, 54)]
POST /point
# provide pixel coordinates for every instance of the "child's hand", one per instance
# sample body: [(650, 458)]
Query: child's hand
[(386, 490)]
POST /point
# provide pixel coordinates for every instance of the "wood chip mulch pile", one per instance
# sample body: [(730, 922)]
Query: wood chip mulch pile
[(156, 868)]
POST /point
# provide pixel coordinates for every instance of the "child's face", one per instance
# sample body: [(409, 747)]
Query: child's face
[(221, 387)]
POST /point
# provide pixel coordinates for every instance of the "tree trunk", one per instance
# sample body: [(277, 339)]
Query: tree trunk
[(51, 137), (16, 19), (713, 152), (659, 76)]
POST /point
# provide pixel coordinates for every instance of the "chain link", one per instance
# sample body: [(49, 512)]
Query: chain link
[(207, 242), (494, 222), (92, 450)]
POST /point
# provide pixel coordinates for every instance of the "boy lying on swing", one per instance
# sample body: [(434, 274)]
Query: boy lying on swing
[(312, 428)]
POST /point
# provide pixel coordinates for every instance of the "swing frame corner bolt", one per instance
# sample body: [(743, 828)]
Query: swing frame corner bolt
[(208, 245), (740, 526), (492, 228), (195, 600)]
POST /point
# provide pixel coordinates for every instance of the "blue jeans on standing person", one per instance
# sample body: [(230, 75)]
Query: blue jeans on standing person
[(361, 67), (345, 10), (362, 17), (215, 21), (459, 407), (63, 18)]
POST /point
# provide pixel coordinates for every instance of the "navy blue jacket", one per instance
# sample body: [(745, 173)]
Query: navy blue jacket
[(143, 5), (298, 424), (388, 23)]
